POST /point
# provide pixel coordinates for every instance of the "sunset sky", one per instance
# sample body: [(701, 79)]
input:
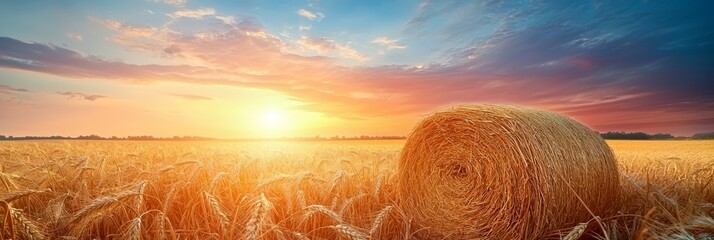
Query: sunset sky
[(234, 69)]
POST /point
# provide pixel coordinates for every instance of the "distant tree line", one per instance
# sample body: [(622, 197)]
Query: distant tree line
[(636, 136), (607, 135), (197, 138), (709, 135), (97, 137), (365, 137)]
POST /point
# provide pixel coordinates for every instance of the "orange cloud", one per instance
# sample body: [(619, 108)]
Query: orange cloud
[(125, 29), (192, 97), (88, 97), (5, 89)]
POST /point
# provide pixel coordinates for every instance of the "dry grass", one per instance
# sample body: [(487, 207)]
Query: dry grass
[(672, 181)]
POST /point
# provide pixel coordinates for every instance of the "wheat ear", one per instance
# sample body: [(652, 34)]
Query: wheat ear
[(379, 219), (350, 232), (257, 218), (217, 209)]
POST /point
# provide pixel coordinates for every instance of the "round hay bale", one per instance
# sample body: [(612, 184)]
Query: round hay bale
[(504, 172)]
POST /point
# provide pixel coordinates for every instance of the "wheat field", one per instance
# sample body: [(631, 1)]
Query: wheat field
[(297, 190)]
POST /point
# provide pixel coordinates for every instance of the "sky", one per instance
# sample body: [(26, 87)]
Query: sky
[(254, 68)]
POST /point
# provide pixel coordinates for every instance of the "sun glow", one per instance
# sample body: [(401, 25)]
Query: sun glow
[(273, 119), (274, 123)]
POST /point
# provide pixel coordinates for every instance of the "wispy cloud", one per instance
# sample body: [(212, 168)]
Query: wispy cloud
[(76, 95), (321, 45), (193, 13), (171, 2), (192, 97), (137, 38), (229, 20), (304, 27), (389, 43), (5, 89), (125, 29), (325, 45), (74, 36), (310, 15), (172, 50)]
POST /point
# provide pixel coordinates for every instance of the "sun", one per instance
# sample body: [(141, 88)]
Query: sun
[(274, 122), (273, 118)]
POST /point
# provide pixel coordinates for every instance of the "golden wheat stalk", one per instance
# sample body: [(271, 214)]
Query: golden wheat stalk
[(7, 218), (55, 208), (280, 179), (8, 182), (165, 169), (258, 218), (350, 232), (576, 232), (165, 207), (378, 185), (299, 236), (347, 204), (139, 205), (187, 162), (333, 204), (312, 209), (217, 210), (301, 199), (379, 219), (21, 194), (215, 181), (335, 181), (99, 206), (287, 192), (25, 227), (133, 231)]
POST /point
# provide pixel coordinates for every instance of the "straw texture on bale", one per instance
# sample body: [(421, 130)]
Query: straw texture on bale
[(504, 172)]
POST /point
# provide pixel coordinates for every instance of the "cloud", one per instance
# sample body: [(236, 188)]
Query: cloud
[(60, 61), (193, 13), (88, 97), (137, 38), (340, 91), (74, 36), (171, 2), (193, 97), (128, 30), (304, 27), (642, 74), (321, 45), (310, 15), (229, 20), (325, 45), (389, 43), (349, 52), (172, 50), (5, 89)]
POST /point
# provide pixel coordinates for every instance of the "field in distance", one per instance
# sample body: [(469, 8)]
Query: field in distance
[(295, 190)]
